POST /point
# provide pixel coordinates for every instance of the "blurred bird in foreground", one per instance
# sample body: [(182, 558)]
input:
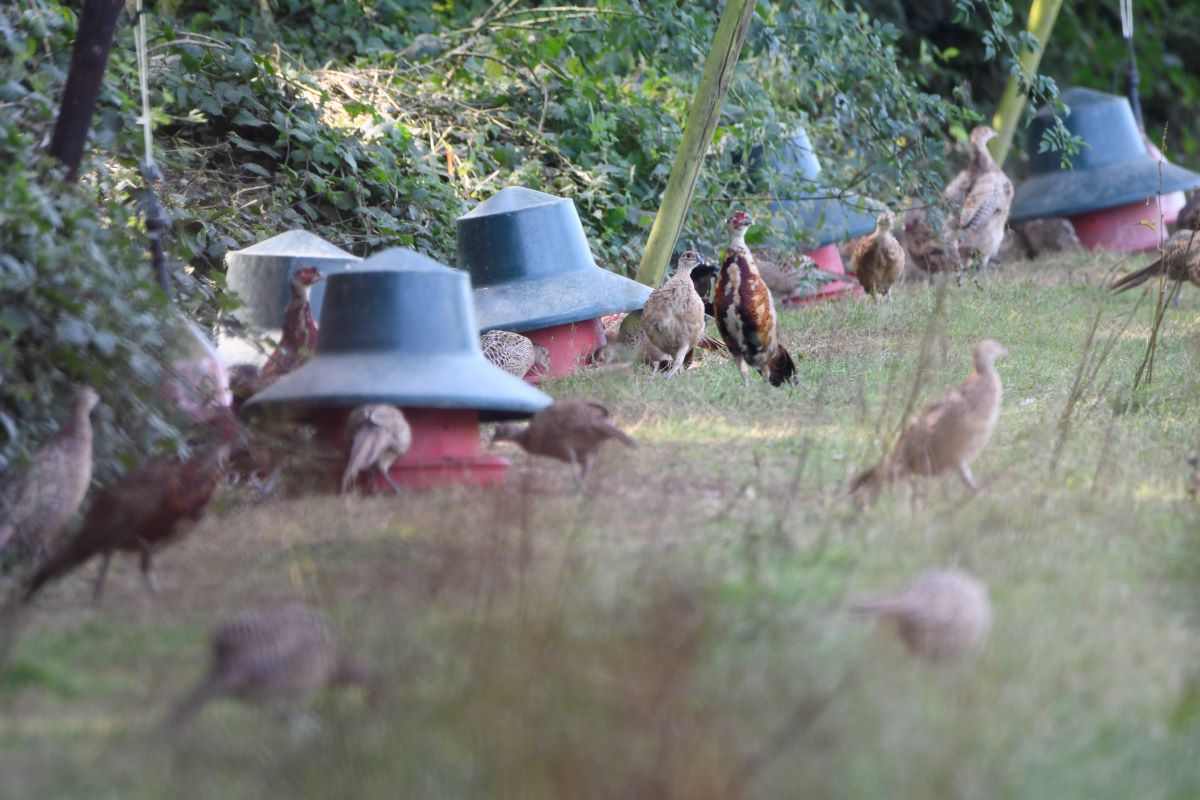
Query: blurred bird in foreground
[(570, 430), (140, 512), (515, 354), (381, 436), (1179, 262), (878, 259), (38, 502), (673, 316), (275, 657), (949, 432), (944, 615)]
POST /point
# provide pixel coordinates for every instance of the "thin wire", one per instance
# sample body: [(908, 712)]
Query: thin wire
[(1126, 19), (143, 61)]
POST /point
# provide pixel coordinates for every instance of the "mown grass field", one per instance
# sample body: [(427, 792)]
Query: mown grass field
[(683, 630)]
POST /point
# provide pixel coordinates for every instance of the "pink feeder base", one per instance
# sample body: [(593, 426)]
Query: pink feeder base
[(829, 259), (570, 345), (1122, 229), (445, 450)]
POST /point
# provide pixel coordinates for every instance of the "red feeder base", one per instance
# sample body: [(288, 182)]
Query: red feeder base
[(1122, 229), (445, 450), (570, 345), (829, 259)]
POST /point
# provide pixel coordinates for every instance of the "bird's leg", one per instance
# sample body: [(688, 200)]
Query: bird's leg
[(964, 472), (745, 370), (677, 361), (148, 569), (99, 589), (387, 476), (576, 471)]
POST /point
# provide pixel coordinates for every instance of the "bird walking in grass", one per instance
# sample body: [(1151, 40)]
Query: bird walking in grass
[(142, 511), (570, 430), (981, 195), (1179, 262), (277, 658), (949, 432), (745, 311), (515, 354), (943, 615), (673, 316), (381, 436), (878, 259), (38, 502)]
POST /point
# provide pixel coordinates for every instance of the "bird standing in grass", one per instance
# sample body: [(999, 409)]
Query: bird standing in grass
[(570, 430), (1180, 261), (878, 259), (515, 354), (37, 503), (298, 338), (745, 311), (943, 615), (673, 317), (932, 251), (141, 511), (792, 276), (949, 432), (275, 657), (981, 195), (381, 436)]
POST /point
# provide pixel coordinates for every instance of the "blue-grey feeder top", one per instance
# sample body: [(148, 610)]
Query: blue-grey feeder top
[(1112, 169), (531, 265), (813, 213), (261, 274), (400, 329)]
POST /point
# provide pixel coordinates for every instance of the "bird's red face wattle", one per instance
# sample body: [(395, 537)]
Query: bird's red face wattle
[(740, 221)]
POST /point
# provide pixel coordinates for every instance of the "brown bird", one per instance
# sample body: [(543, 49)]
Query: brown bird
[(931, 251), (381, 436), (1189, 215), (141, 511), (1180, 261), (1047, 235), (943, 615), (1193, 488), (745, 311), (298, 338), (570, 430), (792, 275), (514, 353), (949, 432), (37, 503), (275, 657), (981, 195), (878, 259), (673, 317)]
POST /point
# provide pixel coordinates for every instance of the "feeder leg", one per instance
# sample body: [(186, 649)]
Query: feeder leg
[(99, 588), (387, 476), (964, 472)]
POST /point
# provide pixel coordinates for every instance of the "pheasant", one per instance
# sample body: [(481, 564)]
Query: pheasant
[(943, 615), (673, 317), (981, 194), (37, 503), (140, 512), (878, 259), (1180, 261), (1047, 235), (515, 354), (930, 251), (272, 657), (298, 338), (745, 312), (1189, 215), (703, 276), (791, 276), (950, 432), (570, 430), (381, 436)]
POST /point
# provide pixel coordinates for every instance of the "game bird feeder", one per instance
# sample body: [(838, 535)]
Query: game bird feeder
[(400, 329), (815, 214), (1114, 189), (261, 275), (533, 273)]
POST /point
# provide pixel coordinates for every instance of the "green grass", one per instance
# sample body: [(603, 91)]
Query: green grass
[(683, 631)]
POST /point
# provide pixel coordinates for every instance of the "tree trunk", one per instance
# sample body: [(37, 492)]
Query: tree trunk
[(97, 25)]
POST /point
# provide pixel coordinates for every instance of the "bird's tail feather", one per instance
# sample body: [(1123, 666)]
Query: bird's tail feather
[(781, 368), (711, 343), (192, 703), (871, 477), (54, 566), (367, 447), (1136, 278), (618, 434)]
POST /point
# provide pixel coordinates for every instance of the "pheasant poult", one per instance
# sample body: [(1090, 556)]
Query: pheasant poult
[(981, 195), (381, 436), (36, 504), (943, 615), (1047, 235), (932, 252), (569, 430), (1180, 261), (140, 513), (298, 337), (275, 657), (515, 354), (792, 276), (878, 259), (673, 317), (949, 432), (745, 312)]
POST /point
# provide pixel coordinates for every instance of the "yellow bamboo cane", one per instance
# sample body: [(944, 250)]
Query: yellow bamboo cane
[(1042, 14), (697, 133)]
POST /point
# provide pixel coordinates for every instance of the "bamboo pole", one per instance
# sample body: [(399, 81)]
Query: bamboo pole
[(697, 133), (1042, 14)]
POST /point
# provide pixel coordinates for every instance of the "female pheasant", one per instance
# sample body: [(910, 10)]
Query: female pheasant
[(746, 313)]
